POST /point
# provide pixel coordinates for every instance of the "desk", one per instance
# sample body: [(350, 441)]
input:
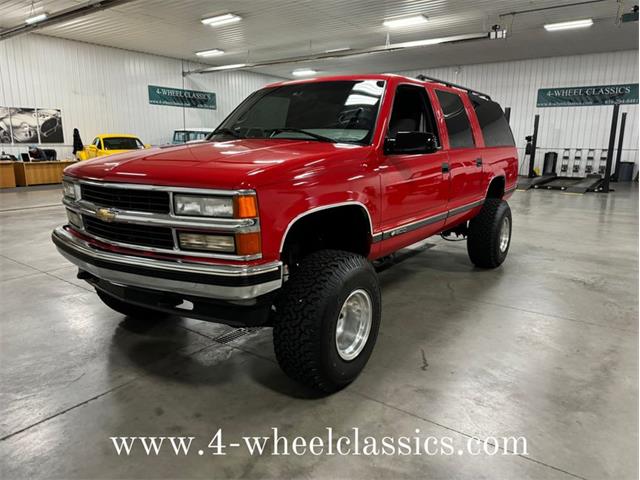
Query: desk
[(7, 177), (39, 173)]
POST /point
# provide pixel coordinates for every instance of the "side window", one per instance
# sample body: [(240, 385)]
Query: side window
[(96, 142), (411, 112), (456, 119), (495, 128)]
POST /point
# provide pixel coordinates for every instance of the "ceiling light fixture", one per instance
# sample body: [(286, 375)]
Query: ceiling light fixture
[(219, 20), (335, 50), (400, 22), (36, 18), (304, 72), (226, 67), (210, 53), (551, 27)]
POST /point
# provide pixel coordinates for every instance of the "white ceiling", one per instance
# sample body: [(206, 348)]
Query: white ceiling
[(275, 29)]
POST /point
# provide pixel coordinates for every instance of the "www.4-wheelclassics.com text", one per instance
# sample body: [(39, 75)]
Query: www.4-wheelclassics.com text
[(328, 443)]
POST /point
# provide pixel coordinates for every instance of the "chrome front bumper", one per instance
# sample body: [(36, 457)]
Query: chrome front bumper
[(220, 282)]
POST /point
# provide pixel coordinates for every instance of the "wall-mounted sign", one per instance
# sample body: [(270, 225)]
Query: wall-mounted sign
[(588, 96), (177, 97)]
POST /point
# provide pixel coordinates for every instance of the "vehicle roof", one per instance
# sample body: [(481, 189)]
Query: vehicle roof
[(195, 129), (117, 135)]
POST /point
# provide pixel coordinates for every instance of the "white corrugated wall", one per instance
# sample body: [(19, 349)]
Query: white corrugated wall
[(104, 90), (515, 84)]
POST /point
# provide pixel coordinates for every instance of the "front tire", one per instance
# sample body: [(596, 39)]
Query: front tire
[(489, 235), (327, 320)]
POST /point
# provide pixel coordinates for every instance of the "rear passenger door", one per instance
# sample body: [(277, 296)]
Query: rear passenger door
[(465, 156)]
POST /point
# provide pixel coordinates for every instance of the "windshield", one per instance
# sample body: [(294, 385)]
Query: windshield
[(341, 111), (121, 143)]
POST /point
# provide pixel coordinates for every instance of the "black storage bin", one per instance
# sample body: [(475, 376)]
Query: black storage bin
[(550, 160), (626, 171)]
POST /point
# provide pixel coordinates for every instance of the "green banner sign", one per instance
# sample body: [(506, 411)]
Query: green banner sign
[(177, 97), (588, 96)]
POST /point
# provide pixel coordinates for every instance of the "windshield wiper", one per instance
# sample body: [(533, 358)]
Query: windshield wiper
[(322, 138), (228, 131)]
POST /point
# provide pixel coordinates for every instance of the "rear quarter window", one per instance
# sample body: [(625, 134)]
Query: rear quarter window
[(456, 119), (494, 125)]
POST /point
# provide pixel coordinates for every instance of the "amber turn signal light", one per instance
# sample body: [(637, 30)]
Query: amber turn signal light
[(246, 206), (248, 243)]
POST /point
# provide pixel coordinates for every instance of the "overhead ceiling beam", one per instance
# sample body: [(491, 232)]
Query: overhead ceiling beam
[(63, 16), (351, 53)]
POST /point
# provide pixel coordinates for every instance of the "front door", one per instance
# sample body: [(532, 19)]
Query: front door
[(414, 186)]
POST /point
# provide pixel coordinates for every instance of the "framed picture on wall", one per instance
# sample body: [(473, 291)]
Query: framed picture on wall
[(50, 125), (24, 125), (5, 125)]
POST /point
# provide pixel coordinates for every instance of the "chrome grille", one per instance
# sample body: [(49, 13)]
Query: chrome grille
[(127, 199), (158, 237)]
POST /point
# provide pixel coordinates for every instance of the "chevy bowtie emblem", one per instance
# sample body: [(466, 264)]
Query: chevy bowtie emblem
[(106, 214)]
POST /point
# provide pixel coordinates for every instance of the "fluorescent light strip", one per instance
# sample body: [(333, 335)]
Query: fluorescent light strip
[(405, 21), (304, 72), (36, 18), (221, 19), (226, 67), (551, 27), (335, 50), (210, 53)]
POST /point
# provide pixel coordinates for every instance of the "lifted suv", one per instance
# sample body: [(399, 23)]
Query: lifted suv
[(275, 220)]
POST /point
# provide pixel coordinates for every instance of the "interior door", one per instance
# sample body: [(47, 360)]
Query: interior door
[(415, 189)]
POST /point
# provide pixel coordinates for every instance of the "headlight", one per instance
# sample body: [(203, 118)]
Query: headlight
[(69, 189), (206, 242), (192, 205)]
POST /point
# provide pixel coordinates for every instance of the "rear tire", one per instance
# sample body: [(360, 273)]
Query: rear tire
[(489, 235), (327, 319), (129, 309)]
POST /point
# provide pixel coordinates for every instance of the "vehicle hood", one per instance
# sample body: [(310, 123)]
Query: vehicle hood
[(244, 163)]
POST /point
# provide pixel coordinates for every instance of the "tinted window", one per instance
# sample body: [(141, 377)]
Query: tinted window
[(411, 112), (456, 118), (341, 111), (495, 128)]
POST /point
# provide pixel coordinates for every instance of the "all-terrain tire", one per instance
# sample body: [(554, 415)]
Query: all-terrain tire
[(306, 318), (129, 309), (486, 238)]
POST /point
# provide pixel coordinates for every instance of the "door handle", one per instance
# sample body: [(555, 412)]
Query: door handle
[(445, 167), (478, 162)]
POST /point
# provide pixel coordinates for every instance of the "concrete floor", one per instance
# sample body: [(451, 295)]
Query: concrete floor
[(545, 347)]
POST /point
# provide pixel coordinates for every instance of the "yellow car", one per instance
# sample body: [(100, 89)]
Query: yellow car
[(109, 144)]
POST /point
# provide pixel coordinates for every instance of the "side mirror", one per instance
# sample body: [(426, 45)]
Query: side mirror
[(411, 143)]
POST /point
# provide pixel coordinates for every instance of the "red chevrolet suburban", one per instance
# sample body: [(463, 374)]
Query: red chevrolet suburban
[(276, 218)]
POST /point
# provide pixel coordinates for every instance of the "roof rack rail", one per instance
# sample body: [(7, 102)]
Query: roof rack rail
[(454, 85)]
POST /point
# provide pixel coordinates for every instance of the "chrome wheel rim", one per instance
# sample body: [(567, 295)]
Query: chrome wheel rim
[(505, 234), (354, 324)]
